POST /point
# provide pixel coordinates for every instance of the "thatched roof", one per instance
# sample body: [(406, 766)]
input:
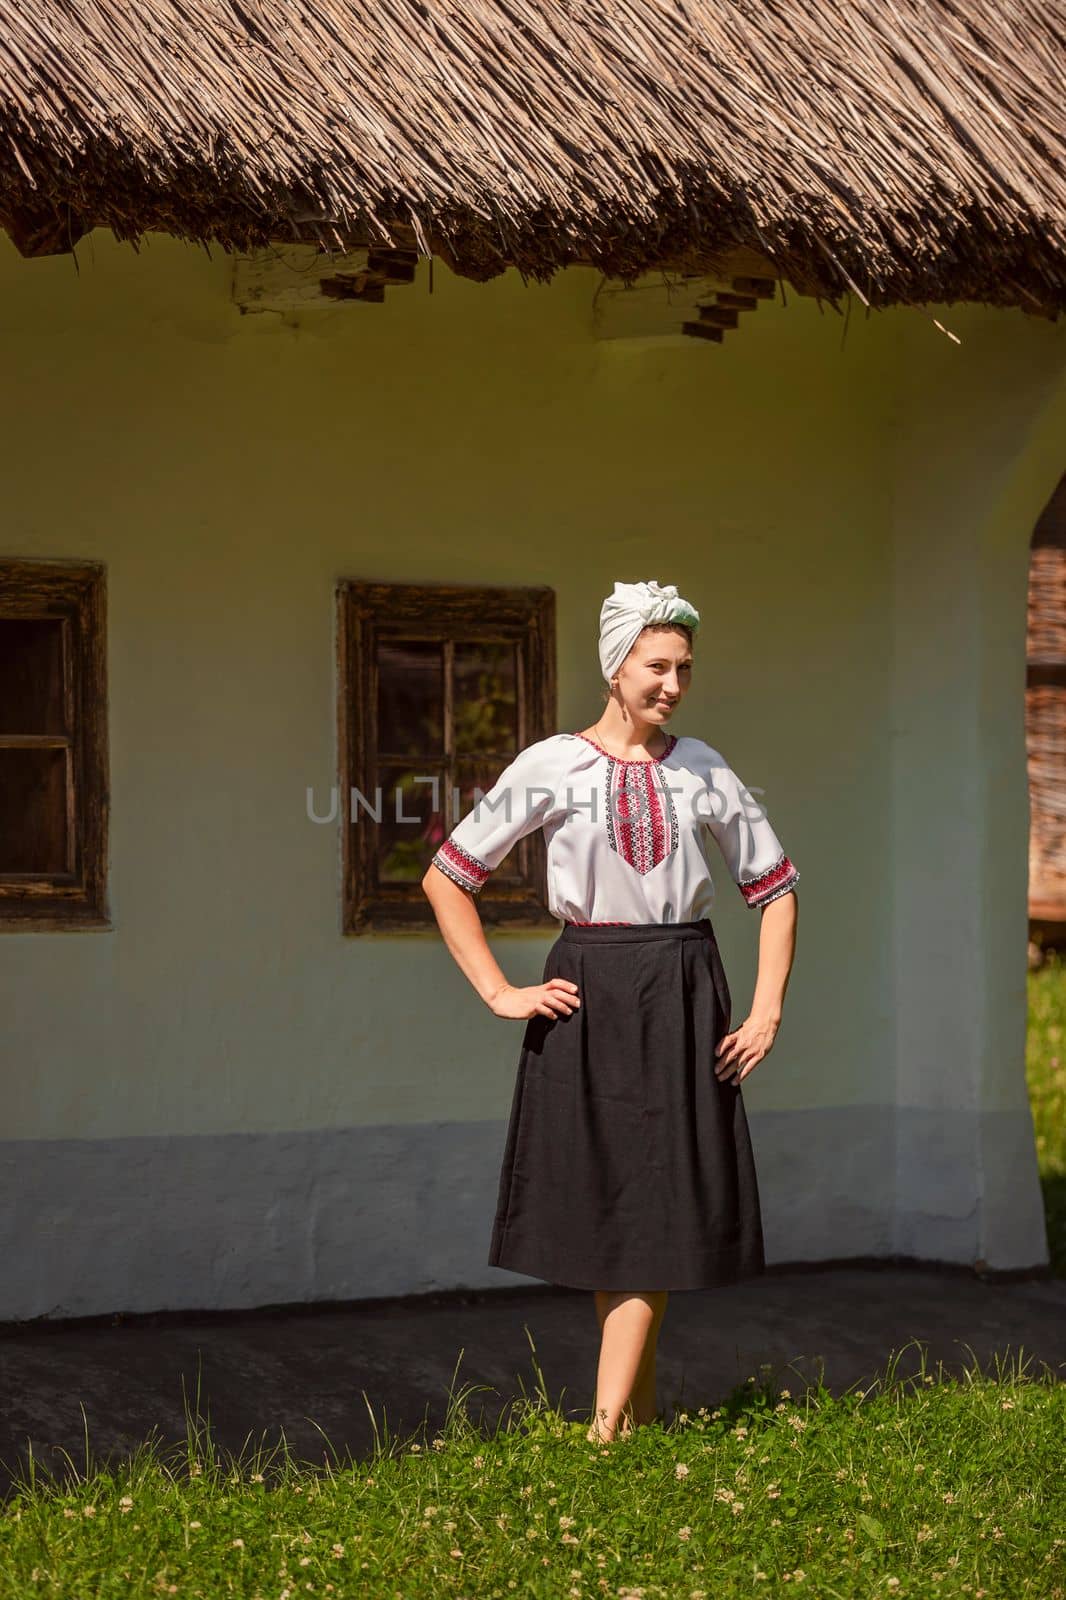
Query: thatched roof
[(912, 150)]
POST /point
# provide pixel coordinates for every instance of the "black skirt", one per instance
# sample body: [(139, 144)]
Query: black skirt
[(627, 1164)]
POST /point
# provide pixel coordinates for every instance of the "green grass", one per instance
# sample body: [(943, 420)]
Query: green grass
[(926, 1485), (1046, 1070)]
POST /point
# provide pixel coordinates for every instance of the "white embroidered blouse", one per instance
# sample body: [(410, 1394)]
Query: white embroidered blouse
[(626, 840)]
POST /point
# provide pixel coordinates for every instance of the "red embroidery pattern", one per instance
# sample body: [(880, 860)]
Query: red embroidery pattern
[(465, 869), (655, 760), (776, 880), (641, 819)]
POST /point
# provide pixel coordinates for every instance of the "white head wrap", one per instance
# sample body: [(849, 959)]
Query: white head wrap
[(629, 610)]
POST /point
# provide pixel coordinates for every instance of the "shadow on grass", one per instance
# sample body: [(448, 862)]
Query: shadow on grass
[(531, 1414)]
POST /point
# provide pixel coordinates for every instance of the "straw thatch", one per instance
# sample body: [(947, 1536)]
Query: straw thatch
[(911, 150)]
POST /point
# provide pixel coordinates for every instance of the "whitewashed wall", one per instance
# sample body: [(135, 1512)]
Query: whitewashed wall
[(223, 1102)]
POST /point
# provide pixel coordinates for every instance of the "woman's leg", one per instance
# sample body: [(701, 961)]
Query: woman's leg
[(641, 1408), (625, 1379)]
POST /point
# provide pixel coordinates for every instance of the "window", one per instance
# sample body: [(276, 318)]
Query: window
[(1045, 721), (440, 687), (53, 746)]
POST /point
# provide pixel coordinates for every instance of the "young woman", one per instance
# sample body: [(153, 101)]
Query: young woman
[(628, 1166)]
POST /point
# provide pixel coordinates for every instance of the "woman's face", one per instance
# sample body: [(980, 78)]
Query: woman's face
[(656, 674)]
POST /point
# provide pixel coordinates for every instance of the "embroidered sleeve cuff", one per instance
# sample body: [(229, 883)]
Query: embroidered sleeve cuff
[(777, 880), (459, 865)]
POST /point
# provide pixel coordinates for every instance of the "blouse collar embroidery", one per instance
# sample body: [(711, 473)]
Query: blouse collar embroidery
[(672, 739)]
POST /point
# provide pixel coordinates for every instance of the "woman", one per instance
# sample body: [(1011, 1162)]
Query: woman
[(628, 1166)]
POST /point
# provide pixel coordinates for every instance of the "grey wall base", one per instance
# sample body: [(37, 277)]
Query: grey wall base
[(242, 1220)]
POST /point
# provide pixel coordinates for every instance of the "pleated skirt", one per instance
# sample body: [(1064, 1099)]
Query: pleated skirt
[(627, 1164)]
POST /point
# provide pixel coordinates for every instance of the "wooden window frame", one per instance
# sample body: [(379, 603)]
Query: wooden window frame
[(369, 612), (76, 592)]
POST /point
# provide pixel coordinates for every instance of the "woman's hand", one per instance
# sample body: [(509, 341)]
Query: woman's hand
[(742, 1050), (557, 997)]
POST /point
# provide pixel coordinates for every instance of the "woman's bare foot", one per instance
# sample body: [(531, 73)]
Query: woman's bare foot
[(601, 1433), (630, 1421), (624, 1431)]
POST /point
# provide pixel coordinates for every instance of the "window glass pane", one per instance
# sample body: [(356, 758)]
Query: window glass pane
[(485, 693), (31, 675), (33, 811), (410, 697), (404, 848)]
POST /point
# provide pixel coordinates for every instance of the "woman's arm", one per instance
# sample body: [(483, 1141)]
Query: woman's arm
[(520, 801), (777, 951), (742, 1050), (462, 931)]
